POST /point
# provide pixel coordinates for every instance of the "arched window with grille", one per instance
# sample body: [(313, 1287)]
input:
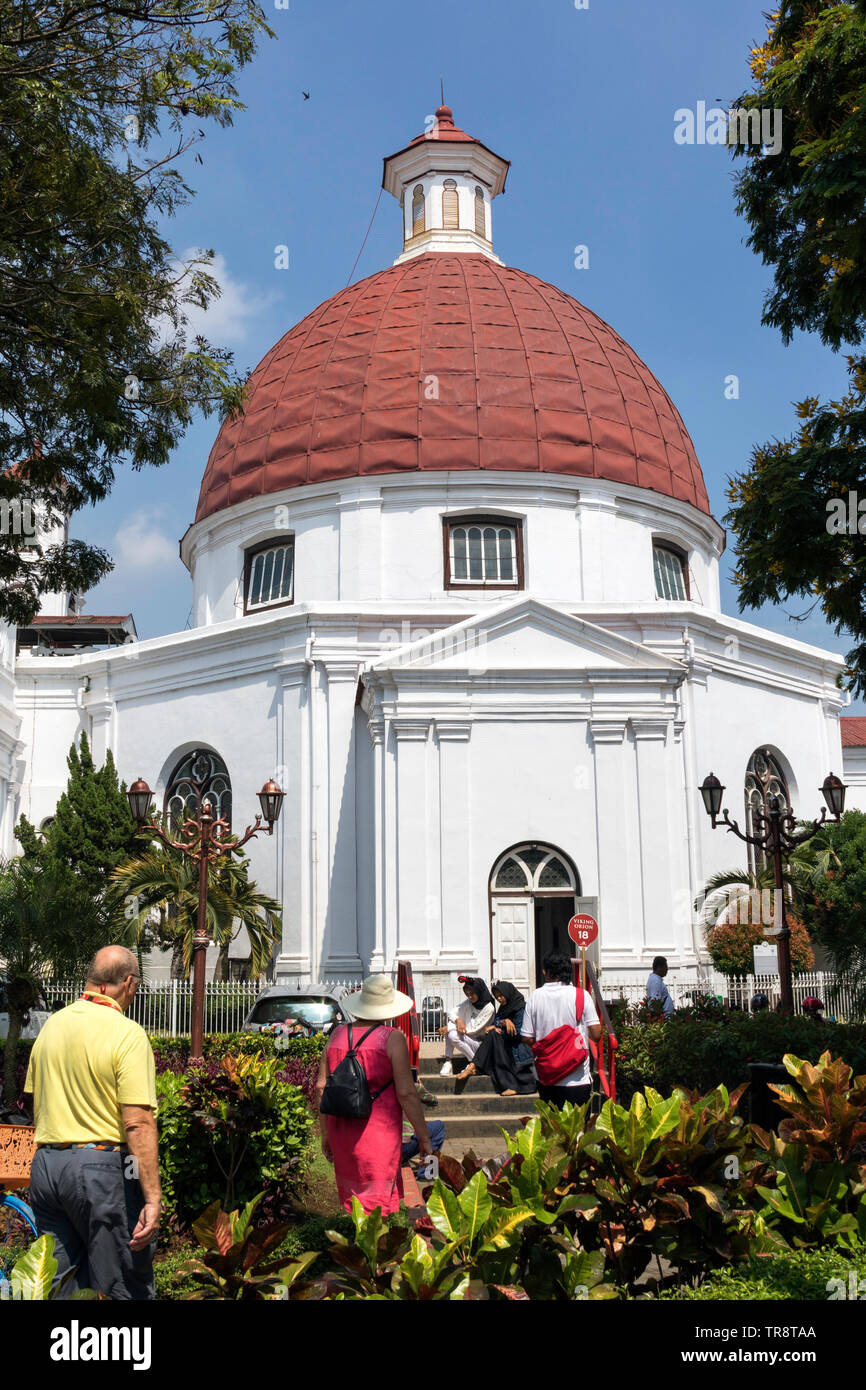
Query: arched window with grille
[(418, 221), (200, 776), (670, 570), (765, 779), (480, 213), (483, 552), (269, 575), (450, 205)]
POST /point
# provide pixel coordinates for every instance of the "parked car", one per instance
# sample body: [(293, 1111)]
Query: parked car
[(36, 1018), (313, 1006)]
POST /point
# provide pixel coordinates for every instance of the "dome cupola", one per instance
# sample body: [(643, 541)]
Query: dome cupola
[(445, 182)]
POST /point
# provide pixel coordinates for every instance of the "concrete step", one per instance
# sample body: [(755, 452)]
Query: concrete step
[(430, 1066), (449, 1086), (481, 1105), (463, 1130), (484, 1148)]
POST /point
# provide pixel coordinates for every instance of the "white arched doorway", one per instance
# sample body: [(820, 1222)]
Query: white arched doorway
[(534, 891)]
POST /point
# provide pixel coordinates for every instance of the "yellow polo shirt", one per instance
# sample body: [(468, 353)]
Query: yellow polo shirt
[(88, 1061)]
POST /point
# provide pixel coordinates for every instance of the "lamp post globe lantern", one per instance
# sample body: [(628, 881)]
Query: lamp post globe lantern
[(712, 792), (139, 796), (833, 791), (271, 799)]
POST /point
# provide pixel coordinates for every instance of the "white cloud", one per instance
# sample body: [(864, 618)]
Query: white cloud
[(227, 319), (141, 544)]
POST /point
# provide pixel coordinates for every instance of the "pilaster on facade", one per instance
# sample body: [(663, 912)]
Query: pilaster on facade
[(650, 730), (286, 966), (339, 670), (453, 730), (407, 730), (101, 712), (608, 731)]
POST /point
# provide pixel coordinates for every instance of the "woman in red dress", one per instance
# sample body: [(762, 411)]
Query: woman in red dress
[(366, 1153)]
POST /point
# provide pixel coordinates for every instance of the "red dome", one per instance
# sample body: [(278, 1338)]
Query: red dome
[(527, 379)]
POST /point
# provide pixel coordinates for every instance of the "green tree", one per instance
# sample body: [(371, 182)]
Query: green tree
[(835, 911), (92, 830), (737, 906), (805, 204), (791, 514), (805, 207), (49, 925), (156, 903), (100, 104)]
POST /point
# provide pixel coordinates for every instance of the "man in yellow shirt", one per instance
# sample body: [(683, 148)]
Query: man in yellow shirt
[(94, 1184)]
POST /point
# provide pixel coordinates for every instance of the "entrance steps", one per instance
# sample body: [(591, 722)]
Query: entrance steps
[(471, 1110)]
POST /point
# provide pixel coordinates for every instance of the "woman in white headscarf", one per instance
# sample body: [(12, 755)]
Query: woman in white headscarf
[(466, 1024)]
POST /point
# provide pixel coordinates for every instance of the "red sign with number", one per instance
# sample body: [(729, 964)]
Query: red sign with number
[(583, 929)]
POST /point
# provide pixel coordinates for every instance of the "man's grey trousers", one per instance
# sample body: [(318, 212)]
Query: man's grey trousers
[(84, 1198)]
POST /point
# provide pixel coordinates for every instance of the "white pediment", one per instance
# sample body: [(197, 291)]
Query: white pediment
[(525, 635)]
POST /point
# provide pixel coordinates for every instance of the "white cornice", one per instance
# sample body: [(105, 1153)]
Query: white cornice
[(442, 488)]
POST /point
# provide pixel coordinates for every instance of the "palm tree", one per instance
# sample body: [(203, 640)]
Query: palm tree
[(48, 925), (729, 895), (155, 899)]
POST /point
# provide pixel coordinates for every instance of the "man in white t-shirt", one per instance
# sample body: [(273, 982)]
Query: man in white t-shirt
[(549, 1007)]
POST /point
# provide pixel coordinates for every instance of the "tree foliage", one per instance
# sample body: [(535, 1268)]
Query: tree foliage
[(797, 534), (92, 830), (49, 924), (156, 903), (806, 207), (836, 912), (100, 102), (805, 204)]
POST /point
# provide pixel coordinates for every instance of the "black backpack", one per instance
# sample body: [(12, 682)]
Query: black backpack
[(347, 1093)]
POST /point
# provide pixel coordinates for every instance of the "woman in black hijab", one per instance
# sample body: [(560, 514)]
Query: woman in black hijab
[(502, 1055)]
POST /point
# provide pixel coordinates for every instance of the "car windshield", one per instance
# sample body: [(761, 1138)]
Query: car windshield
[(315, 1013)]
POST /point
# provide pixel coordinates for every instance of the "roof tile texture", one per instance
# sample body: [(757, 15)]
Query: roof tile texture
[(853, 730), (525, 378)]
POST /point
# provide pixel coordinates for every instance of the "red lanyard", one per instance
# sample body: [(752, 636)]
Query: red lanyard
[(102, 999)]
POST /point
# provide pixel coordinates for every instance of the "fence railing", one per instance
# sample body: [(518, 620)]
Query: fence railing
[(835, 993), (166, 1007)]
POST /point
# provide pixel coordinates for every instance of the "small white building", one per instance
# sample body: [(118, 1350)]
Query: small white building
[(455, 585)]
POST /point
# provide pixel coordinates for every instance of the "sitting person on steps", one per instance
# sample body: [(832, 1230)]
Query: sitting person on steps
[(503, 1056), (465, 1027)]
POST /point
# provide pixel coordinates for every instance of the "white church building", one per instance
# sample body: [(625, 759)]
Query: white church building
[(456, 587)]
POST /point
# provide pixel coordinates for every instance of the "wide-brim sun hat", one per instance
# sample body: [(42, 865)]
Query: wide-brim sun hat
[(376, 999)]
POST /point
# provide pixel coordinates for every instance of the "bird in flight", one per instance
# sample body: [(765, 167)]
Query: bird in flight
[(305, 95)]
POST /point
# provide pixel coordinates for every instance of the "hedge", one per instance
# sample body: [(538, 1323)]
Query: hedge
[(701, 1053), (301, 1055), (797, 1274)]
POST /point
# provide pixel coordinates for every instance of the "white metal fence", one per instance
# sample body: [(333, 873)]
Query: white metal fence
[(166, 1006), (835, 994)]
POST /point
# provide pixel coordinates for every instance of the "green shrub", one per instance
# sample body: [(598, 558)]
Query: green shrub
[(817, 1194), (230, 1135), (800, 1274), (701, 1053), (172, 1054)]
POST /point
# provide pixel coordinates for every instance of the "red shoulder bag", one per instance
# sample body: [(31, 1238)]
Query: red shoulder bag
[(563, 1050)]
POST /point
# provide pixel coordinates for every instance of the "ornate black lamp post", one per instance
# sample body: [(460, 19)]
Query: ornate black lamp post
[(776, 833), (203, 840)]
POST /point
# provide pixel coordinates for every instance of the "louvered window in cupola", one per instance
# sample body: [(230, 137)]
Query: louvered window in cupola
[(450, 205), (418, 211)]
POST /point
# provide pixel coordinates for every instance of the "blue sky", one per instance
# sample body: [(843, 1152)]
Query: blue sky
[(582, 102)]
